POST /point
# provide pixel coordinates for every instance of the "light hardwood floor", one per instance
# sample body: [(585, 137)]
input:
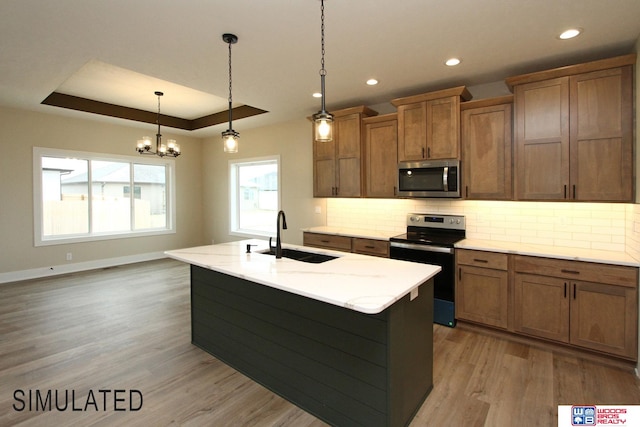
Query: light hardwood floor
[(129, 328)]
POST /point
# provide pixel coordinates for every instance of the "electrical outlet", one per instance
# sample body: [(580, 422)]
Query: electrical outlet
[(318, 209), (69, 256)]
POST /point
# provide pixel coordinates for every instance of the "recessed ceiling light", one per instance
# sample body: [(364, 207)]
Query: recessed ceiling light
[(372, 82), (317, 95), (452, 62), (570, 33)]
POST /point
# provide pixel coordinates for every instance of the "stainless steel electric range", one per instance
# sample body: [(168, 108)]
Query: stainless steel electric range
[(430, 239)]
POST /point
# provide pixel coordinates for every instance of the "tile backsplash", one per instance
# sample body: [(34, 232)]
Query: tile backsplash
[(601, 226)]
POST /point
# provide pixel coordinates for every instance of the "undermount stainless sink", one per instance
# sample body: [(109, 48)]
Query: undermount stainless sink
[(301, 255)]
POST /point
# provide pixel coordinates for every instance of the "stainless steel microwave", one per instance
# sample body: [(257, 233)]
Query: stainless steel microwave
[(429, 178)]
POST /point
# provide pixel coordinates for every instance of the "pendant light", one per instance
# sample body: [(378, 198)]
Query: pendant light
[(323, 120), (230, 137), (144, 145)]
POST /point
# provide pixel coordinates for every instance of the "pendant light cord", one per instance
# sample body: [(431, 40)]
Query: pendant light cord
[(230, 98), (323, 72)]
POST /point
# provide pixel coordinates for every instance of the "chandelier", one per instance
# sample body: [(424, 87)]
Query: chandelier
[(323, 120), (171, 149), (230, 137)]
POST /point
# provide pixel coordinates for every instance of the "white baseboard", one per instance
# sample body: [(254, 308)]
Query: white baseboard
[(35, 273)]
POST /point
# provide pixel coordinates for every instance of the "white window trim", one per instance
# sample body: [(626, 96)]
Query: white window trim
[(40, 240), (233, 196)]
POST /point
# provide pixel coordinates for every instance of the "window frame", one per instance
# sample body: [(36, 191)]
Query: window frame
[(234, 195), (38, 215)]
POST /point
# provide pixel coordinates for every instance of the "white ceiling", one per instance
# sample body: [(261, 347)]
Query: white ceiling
[(141, 46)]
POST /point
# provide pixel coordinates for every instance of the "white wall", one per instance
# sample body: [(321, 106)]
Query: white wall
[(22, 130)]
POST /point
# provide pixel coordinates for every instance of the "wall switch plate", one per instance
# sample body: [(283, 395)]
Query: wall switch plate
[(318, 209), (69, 256)]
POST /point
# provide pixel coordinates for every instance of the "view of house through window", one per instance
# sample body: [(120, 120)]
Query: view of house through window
[(254, 196), (84, 196)]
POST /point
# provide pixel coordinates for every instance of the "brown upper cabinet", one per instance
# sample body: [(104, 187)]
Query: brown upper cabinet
[(486, 148), (380, 155), (429, 124), (573, 132), (337, 170)]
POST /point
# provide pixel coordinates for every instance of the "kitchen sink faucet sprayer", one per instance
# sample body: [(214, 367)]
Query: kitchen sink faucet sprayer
[(284, 227)]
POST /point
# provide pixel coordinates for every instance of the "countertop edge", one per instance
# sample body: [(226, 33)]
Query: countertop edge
[(578, 254)]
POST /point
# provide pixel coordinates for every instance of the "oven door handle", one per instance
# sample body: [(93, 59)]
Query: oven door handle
[(423, 248)]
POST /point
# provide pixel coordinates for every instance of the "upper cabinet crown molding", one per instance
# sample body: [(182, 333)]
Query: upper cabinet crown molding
[(486, 102), (460, 91), (569, 70)]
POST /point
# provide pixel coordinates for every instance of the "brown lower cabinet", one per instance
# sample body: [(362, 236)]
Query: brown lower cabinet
[(482, 288), (586, 305), (357, 245)]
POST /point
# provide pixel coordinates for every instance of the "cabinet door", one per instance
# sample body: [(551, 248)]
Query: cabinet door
[(324, 160), (482, 295), (602, 135), (381, 158), (541, 306), (348, 154), (486, 152), (412, 131), (604, 318), (443, 128), (542, 140)]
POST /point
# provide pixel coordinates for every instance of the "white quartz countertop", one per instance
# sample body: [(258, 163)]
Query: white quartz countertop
[(574, 254), (359, 282)]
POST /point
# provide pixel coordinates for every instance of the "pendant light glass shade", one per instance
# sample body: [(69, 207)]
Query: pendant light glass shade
[(324, 126), (230, 140)]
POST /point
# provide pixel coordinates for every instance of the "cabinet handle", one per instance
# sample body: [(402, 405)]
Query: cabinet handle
[(370, 247), (574, 191), (574, 291), (423, 152), (324, 241), (570, 271), (395, 190), (565, 289), (565, 191), (459, 273), (480, 260), (428, 152)]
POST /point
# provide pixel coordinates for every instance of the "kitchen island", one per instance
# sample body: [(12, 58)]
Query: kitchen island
[(348, 340)]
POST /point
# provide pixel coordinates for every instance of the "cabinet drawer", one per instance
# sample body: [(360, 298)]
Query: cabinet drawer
[(494, 260), (371, 247), (329, 241), (578, 270)]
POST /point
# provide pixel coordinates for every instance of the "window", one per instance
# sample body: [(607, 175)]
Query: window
[(87, 196), (254, 196)]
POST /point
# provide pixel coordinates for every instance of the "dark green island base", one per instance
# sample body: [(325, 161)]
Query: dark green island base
[(345, 367)]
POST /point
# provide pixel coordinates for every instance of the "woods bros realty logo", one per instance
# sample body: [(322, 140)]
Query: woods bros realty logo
[(592, 415)]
